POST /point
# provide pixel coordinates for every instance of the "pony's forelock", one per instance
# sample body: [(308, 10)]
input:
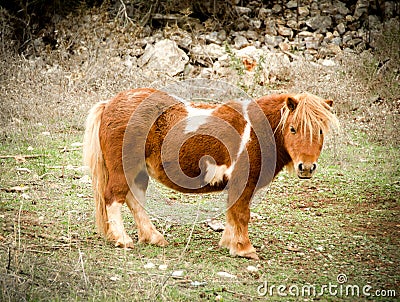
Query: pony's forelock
[(311, 115)]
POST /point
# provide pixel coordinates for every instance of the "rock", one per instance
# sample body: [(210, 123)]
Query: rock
[(212, 50), (341, 8), (285, 31), (337, 41), (241, 10), (212, 37), (222, 35), (354, 42), (320, 23), (312, 43), (255, 23), (164, 56), (250, 52), (304, 34), (252, 35), (390, 9), (292, 23), (361, 8), (270, 27), (330, 50), (303, 11), (347, 37), (277, 8), (273, 41), (291, 4), (341, 28), (275, 62), (240, 41), (263, 13), (284, 46), (374, 22)]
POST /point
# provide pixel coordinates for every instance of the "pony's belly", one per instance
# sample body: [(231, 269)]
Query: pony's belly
[(212, 181)]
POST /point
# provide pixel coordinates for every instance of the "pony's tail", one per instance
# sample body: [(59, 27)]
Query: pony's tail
[(93, 158)]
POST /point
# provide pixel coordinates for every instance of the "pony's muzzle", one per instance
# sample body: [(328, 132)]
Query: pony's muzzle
[(306, 170)]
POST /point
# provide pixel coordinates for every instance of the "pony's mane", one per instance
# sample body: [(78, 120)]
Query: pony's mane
[(311, 114)]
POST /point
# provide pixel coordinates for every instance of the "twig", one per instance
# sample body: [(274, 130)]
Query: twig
[(64, 149), (83, 266), (23, 156)]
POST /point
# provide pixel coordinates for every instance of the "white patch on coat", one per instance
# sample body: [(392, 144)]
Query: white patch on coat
[(215, 174), (195, 116), (247, 129), (245, 137)]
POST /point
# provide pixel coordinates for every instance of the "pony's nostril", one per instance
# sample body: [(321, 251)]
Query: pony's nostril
[(301, 167), (314, 166)]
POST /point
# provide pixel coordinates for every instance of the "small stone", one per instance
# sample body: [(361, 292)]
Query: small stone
[(303, 11), (222, 35), (328, 62), (285, 31), (149, 265), (312, 43), (291, 4), (341, 28), (292, 24), (85, 179), (252, 35), (270, 27), (177, 274), (263, 13), (240, 41), (277, 8), (256, 23), (226, 275), (320, 23), (252, 268), (163, 267), (77, 144), (241, 10), (273, 40)]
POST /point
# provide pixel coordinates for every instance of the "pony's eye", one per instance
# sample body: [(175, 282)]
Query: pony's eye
[(320, 132), (292, 130)]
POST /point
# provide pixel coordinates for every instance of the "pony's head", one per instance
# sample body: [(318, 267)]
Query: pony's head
[(305, 119)]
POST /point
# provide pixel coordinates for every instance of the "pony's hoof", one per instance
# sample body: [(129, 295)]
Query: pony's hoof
[(252, 256), (125, 244), (162, 242)]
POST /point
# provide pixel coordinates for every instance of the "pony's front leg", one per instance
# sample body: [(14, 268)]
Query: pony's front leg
[(236, 236)]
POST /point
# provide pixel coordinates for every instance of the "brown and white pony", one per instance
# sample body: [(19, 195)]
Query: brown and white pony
[(238, 146)]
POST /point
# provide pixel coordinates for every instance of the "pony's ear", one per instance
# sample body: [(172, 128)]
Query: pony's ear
[(291, 103), (329, 102)]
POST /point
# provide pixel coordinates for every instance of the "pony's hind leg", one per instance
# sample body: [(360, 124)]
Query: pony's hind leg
[(115, 195), (135, 200)]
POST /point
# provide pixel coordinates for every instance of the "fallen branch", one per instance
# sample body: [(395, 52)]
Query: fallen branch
[(23, 156)]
